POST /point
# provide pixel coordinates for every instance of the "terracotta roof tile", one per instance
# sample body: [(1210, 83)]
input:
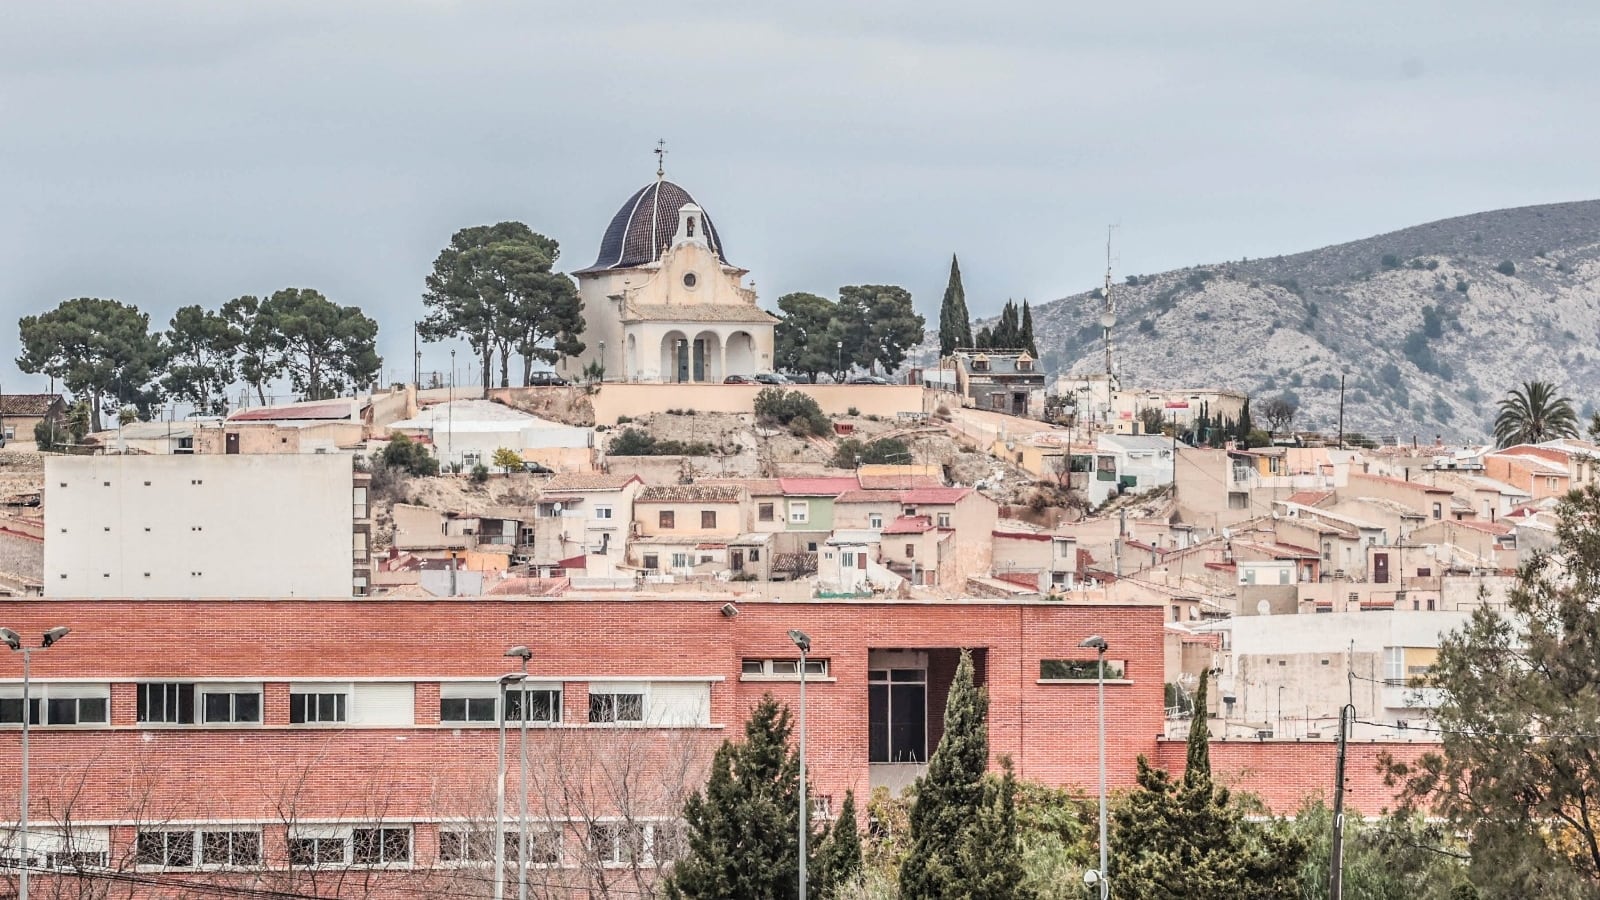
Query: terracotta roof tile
[(689, 493), (589, 481)]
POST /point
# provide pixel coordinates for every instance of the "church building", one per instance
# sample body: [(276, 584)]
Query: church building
[(662, 302)]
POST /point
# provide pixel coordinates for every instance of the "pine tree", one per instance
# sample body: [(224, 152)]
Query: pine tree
[(837, 863), (985, 339), (1027, 341), (963, 826), (742, 828), (955, 323)]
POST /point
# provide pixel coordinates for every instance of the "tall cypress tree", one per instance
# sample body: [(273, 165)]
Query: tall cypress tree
[(1245, 425), (837, 863), (955, 323), (963, 826), (1027, 342)]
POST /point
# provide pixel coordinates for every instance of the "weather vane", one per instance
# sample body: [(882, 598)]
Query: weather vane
[(661, 158)]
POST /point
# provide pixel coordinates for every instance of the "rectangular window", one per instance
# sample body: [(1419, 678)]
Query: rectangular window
[(477, 845), (897, 716), (230, 848), (602, 512), (380, 846), (166, 703), (230, 706), (708, 518), (542, 704), (317, 708), (55, 709), (680, 560), (1084, 669), (467, 709), (1394, 665), (944, 520), (616, 707), (764, 512), (911, 551), (169, 849), (666, 519), (783, 667), (652, 561), (755, 554), (875, 520), (324, 850), (617, 843), (848, 560), (799, 512)]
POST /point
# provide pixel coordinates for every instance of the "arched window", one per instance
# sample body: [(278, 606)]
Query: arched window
[(691, 226)]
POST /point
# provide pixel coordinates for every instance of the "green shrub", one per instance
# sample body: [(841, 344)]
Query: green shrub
[(852, 411), (1390, 261), (408, 456), (1506, 268), (623, 420), (480, 473), (851, 451), (633, 442), (776, 406)]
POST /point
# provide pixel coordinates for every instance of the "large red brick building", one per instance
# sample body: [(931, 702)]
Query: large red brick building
[(346, 747)]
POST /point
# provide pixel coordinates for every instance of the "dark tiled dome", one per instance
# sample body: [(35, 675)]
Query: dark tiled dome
[(644, 226)]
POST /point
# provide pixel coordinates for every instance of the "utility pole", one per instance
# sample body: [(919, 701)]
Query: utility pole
[(1341, 412), (1347, 717)]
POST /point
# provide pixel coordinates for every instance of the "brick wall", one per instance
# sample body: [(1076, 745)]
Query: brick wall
[(1284, 773)]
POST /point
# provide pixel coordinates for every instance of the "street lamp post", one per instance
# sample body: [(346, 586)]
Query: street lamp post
[(14, 641), (840, 345), (803, 642), (1098, 644), (500, 794), (523, 653), (1279, 731)]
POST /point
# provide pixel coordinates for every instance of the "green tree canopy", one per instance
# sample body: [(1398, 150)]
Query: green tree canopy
[(1519, 722), (807, 335), (963, 826), (1025, 338), (325, 348), (495, 287), (1534, 412), (955, 323), (101, 350), (201, 347), (258, 345), (880, 325), (1190, 839)]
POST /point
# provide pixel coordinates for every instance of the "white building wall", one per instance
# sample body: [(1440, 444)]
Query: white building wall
[(198, 526)]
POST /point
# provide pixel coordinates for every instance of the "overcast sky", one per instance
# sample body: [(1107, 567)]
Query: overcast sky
[(168, 153)]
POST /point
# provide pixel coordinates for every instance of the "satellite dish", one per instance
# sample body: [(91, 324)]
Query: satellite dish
[(1107, 319), (1264, 608)]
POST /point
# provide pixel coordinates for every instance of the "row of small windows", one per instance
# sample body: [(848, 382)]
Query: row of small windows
[(186, 703), (381, 845)]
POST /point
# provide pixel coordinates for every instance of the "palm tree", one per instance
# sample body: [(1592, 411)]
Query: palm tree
[(1533, 413)]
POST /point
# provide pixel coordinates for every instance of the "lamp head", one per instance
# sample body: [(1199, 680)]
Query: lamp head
[(801, 639), (55, 634), (1091, 877), (729, 610), (11, 638), (1094, 642), (520, 652), (511, 678)]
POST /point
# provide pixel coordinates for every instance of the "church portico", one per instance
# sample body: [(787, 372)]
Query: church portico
[(663, 292)]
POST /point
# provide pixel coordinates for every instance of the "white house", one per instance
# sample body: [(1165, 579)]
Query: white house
[(468, 432)]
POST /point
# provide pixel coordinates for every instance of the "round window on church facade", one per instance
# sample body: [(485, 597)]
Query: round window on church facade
[(689, 280)]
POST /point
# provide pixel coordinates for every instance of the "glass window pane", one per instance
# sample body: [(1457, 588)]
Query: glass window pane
[(219, 707), (180, 848), (214, 848), (452, 845), (93, 709), (63, 712), (908, 723), (630, 707), (878, 723), (480, 709), (246, 848), (752, 667), (330, 850), (247, 707), (303, 852), (785, 666), (908, 675), (397, 845), (11, 711), (452, 709), (149, 849), (328, 708), (298, 703), (602, 707)]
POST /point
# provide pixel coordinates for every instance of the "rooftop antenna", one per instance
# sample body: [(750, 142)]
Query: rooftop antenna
[(1108, 317), (661, 159)]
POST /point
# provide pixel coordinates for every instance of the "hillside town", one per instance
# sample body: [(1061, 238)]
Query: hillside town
[(282, 639)]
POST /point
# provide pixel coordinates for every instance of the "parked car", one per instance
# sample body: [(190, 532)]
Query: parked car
[(771, 378), (547, 379), (738, 379), (868, 379)]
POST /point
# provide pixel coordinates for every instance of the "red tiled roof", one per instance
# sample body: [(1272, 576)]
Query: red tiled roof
[(909, 525), (869, 497), (589, 481), (827, 486), (899, 482), (1308, 498), (27, 404)]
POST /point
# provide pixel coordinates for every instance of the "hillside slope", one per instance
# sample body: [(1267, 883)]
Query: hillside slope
[(1425, 323)]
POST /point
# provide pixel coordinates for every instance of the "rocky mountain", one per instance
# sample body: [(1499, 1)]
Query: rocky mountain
[(1430, 325)]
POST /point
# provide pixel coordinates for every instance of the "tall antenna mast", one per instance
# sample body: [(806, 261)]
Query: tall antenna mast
[(1108, 317)]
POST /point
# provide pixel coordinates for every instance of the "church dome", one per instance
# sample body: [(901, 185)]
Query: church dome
[(644, 227)]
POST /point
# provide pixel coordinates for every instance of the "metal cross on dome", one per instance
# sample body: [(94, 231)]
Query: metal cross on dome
[(661, 158)]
